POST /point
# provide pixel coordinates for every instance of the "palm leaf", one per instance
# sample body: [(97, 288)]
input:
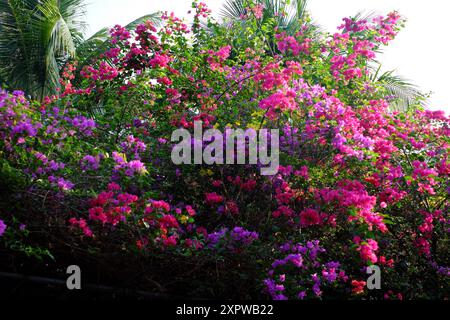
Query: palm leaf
[(92, 47), (54, 39), (406, 95), (38, 36), (155, 18), (295, 12), (15, 45), (35, 38), (233, 9)]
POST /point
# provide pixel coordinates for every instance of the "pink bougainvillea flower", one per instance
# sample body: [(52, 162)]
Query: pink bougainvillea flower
[(358, 287), (309, 217)]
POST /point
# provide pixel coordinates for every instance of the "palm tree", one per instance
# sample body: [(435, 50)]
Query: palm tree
[(37, 37)]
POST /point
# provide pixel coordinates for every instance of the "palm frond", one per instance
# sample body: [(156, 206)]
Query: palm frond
[(289, 16), (155, 18), (54, 40), (404, 94), (233, 9), (364, 16), (91, 47), (15, 67), (36, 36), (301, 8)]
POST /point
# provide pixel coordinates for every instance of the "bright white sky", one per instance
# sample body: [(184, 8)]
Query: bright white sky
[(419, 54)]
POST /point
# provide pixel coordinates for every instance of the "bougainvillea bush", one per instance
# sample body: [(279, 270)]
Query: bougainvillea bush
[(86, 177)]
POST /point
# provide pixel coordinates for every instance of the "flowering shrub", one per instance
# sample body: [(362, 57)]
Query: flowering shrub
[(88, 172)]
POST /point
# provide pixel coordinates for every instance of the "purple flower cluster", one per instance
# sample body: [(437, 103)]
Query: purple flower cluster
[(84, 125), (312, 249), (308, 276), (289, 141), (214, 238), (444, 271), (133, 146), (294, 258), (47, 165), (61, 183), (231, 239), (134, 167), (2, 227), (118, 158), (90, 163), (15, 125), (275, 289), (239, 234), (26, 127), (330, 271)]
